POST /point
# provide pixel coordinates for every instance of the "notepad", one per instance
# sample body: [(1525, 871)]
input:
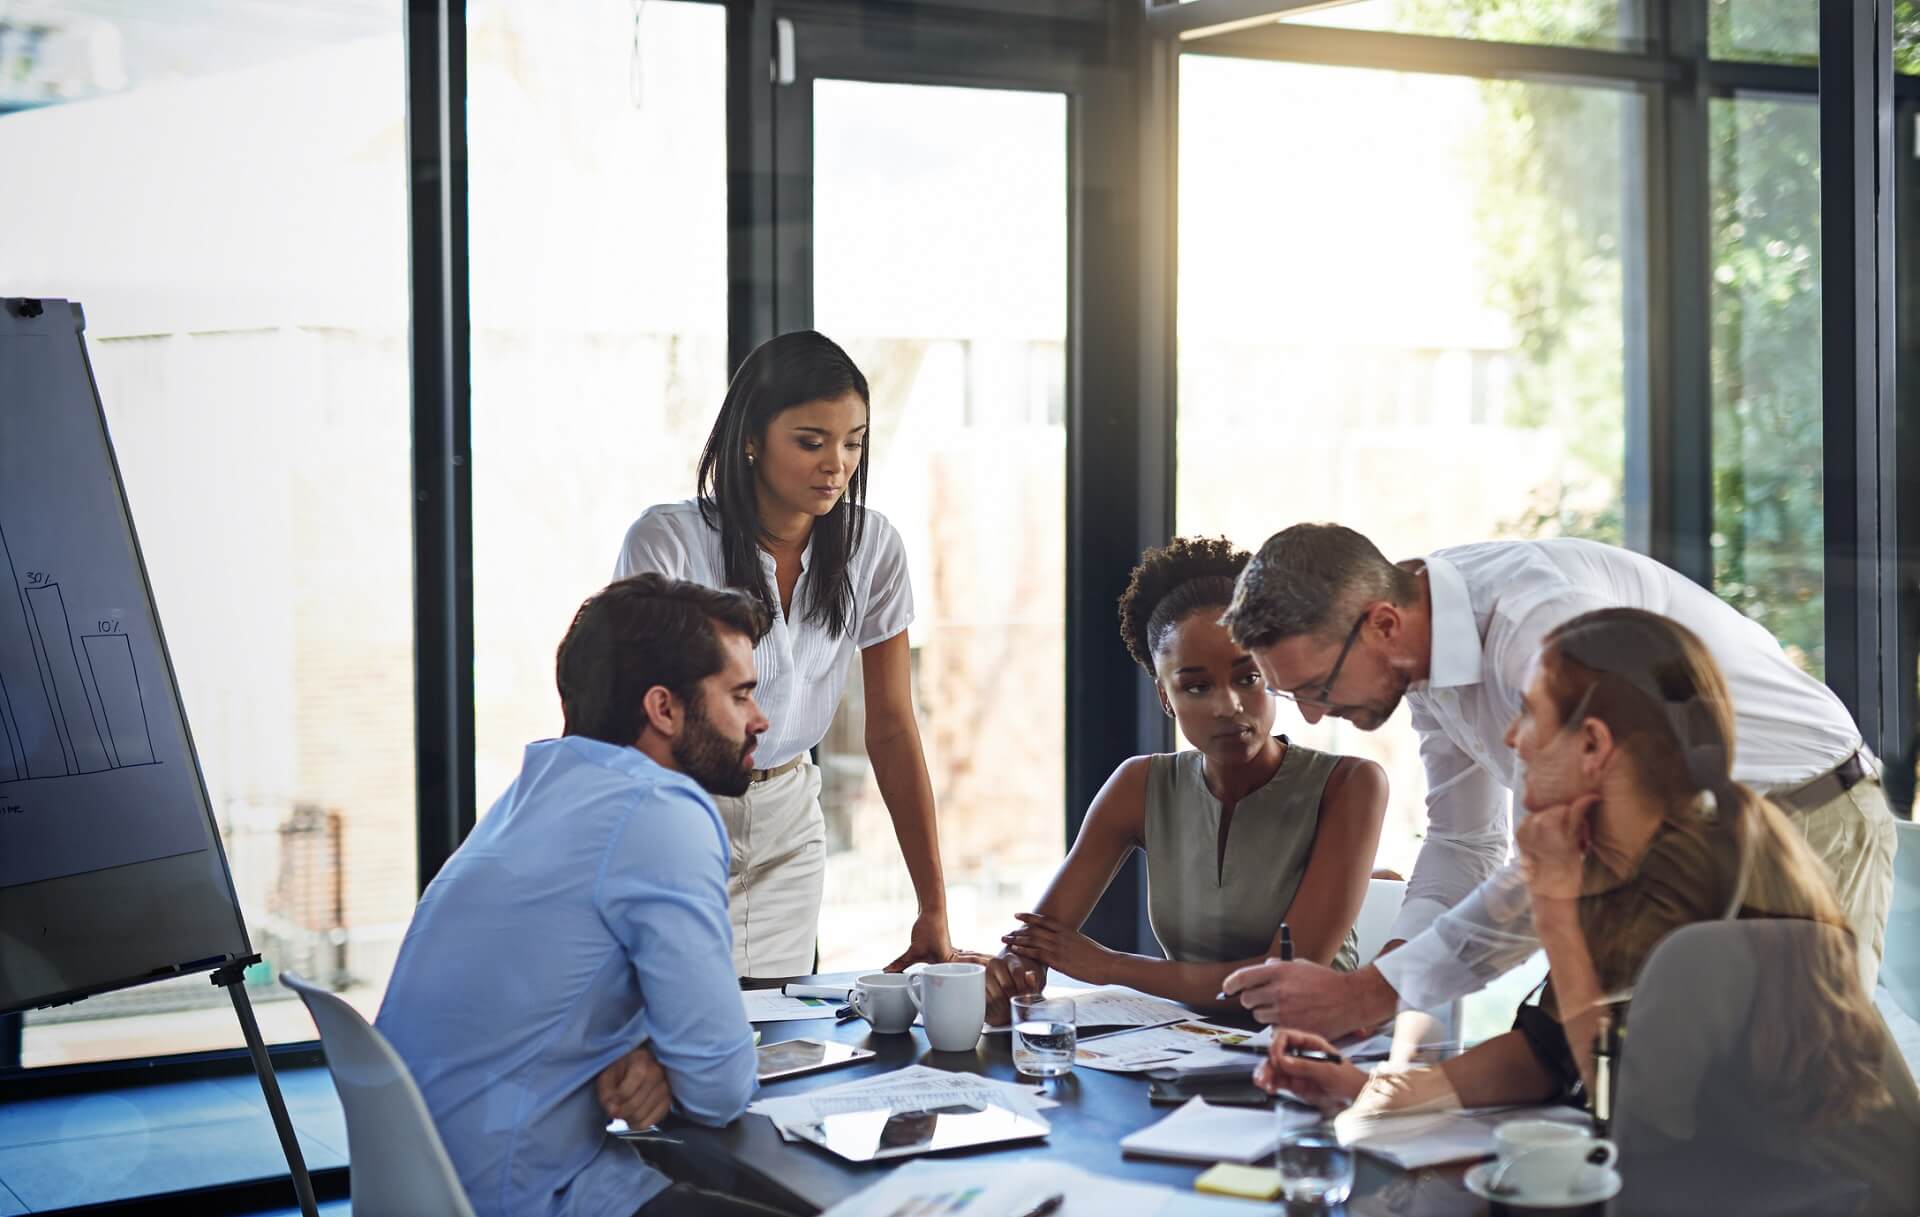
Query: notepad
[(1197, 1131), (1246, 1182), (1431, 1138)]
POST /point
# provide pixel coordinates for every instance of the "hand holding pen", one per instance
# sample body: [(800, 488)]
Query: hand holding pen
[(1285, 956), (1310, 1067)]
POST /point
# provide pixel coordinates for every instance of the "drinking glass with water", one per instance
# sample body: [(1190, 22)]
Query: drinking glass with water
[(1043, 1036), (1315, 1168)]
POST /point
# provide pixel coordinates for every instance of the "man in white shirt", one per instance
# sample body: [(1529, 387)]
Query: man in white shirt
[(1345, 633)]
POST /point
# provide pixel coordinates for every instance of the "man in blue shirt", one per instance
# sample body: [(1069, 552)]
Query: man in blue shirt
[(573, 959)]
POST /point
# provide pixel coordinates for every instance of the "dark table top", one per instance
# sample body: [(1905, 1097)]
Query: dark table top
[(1096, 1110)]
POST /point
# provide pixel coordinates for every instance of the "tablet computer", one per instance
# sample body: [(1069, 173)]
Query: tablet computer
[(882, 1132), (786, 1058)]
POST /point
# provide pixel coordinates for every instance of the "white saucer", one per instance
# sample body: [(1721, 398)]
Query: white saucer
[(1478, 1176)]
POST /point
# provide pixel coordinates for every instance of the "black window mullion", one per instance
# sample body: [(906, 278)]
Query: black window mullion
[(1856, 217), (1678, 203), (1394, 52), (750, 178), (1903, 741), (1120, 423), (441, 358)]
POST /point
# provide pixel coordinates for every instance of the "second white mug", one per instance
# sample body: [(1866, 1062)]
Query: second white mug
[(952, 998), (882, 999)]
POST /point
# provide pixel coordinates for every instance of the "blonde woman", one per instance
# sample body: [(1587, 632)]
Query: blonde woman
[(1633, 828)]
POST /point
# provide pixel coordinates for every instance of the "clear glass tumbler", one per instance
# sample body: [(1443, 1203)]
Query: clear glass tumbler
[(1315, 1168), (1043, 1036)]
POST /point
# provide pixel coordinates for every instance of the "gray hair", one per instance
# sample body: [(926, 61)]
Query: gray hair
[(1309, 579)]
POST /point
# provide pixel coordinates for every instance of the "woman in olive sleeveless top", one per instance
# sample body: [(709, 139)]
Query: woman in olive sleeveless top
[(1246, 832)]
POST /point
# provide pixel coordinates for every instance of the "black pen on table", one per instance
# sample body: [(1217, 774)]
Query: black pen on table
[(1050, 1204)]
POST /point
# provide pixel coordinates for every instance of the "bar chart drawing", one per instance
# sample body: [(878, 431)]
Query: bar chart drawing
[(13, 760), (79, 721), (68, 705), (124, 709)]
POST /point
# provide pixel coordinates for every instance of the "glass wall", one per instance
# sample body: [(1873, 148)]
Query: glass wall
[(1768, 530), (940, 260), (1773, 31), (235, 225), (1788, 31), (1409, 291), (598, 205)]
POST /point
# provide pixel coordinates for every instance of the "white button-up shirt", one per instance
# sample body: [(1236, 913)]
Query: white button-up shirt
[(802, 668), (1491, 605)]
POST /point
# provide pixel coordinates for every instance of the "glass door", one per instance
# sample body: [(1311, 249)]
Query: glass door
[(924, 223)]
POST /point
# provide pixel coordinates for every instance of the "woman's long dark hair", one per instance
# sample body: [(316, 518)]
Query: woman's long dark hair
[(781, 373)]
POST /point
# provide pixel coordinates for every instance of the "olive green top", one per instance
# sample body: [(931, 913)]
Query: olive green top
[(1207, 906)]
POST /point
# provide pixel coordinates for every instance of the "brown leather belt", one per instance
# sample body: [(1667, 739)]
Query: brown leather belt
[(1829, 785), (767, 775)]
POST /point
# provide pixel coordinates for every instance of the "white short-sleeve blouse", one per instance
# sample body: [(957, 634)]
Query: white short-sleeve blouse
[(802, 668)]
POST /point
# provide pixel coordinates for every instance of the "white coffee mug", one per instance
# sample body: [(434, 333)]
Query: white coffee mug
[(882, 999), (952, 998), (1549, 1160)]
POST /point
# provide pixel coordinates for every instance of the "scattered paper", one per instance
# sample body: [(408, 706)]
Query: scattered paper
[(901, 1090), (1213, 1059), (1198, 1131), (1155, 1047), (929, 1188), (1414, 1141), (772, 1006), (1114, 1006)]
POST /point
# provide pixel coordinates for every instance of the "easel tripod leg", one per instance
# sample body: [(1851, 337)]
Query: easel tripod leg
[(270, 1086)]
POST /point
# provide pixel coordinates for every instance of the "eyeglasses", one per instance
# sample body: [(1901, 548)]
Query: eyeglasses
[(1318, 696)]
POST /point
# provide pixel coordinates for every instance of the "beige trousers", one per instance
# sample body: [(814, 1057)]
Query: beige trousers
[(777, 872), (1854, 836)]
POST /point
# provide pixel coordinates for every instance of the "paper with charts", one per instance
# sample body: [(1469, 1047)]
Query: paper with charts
[(773, 1006), (1156, 1047), (1115, 1006)]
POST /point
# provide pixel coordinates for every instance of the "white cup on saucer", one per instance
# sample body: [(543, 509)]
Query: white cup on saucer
[(952, 998), (882, 999), (1548, 1161)]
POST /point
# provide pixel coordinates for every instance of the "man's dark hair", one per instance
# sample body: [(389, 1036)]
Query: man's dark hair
[(1312, 579), (640, 632), (1170, 584)]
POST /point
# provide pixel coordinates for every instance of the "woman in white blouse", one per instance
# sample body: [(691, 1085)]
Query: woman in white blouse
[(781, 514)]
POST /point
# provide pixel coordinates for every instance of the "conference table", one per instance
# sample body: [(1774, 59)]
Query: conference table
[(1095, 1111)]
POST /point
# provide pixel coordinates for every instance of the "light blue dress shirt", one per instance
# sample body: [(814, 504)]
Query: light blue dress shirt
[(585, 915)]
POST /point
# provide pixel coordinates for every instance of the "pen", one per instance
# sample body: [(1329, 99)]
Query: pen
[(1050, 1204), (845, 1013), (1314, 1054), (1286, 956)]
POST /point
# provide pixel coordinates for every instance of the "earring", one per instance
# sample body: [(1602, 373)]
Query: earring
[(749, 458)]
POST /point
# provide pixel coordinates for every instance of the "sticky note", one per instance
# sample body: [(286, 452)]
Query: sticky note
[(1248, 1182)]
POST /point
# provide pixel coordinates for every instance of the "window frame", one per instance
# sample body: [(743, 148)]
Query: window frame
[(1117, 411), (1119, 62), (1669, 464)]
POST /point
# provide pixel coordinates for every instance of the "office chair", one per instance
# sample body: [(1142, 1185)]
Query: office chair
[(400, 1168)]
